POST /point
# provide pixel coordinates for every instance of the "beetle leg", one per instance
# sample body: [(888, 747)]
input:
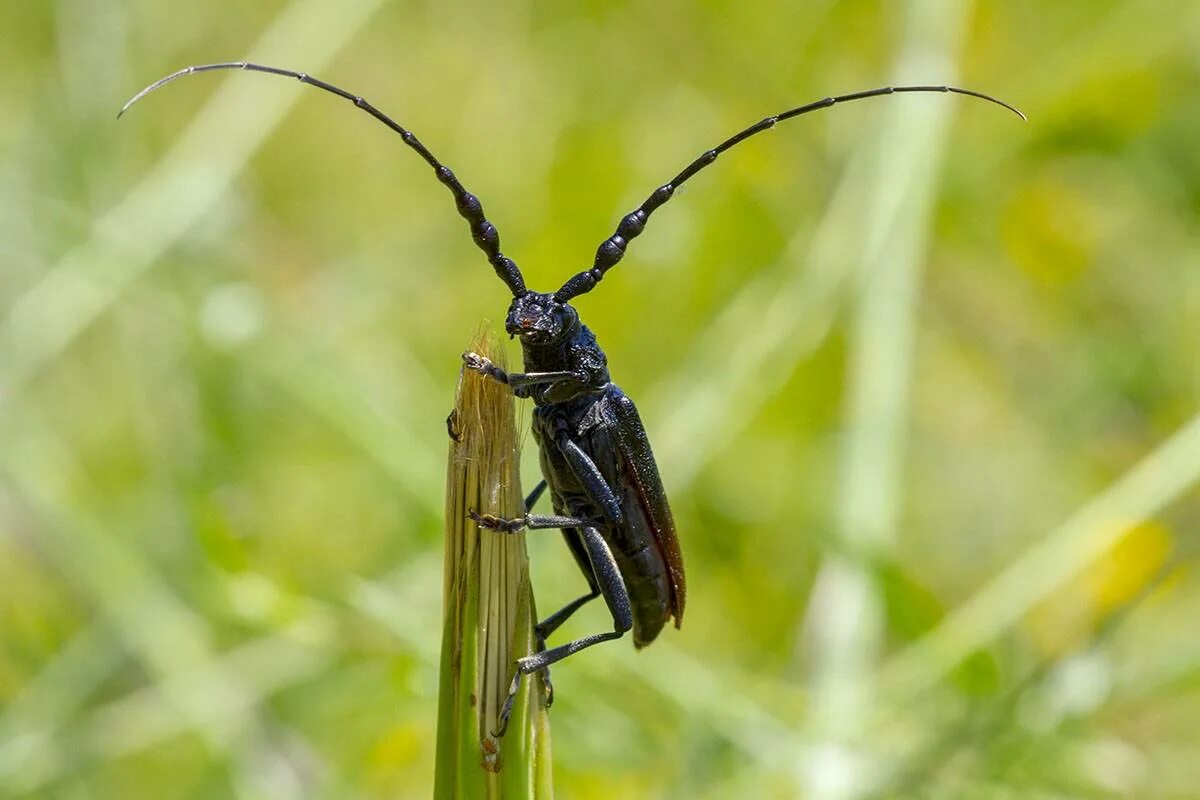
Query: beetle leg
[(510, 525), (548, 626), (452, 426), (589, 475), (551, 623), (538, 522), (520, 382), (532, 499), (616, 596), (533, 522), (574, 541)]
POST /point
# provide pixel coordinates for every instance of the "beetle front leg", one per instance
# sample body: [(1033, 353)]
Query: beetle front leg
[(521, 383), (484, 366)]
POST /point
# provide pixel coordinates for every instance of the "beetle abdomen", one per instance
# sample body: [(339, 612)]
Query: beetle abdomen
[(650, 594)]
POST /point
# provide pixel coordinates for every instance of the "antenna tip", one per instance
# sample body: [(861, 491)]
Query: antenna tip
[(129, 103)]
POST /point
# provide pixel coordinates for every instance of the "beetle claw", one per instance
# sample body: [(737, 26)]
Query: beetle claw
[(476, 362), (506, 709), (494, 523), (452, 426)]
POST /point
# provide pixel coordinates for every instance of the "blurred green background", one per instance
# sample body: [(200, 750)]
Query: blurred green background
[(922, 381)]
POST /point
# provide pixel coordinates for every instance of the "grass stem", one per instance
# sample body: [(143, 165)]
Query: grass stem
[(489, 610)]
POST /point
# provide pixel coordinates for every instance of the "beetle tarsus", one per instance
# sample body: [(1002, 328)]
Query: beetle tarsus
[(498, 524), (485, 367), (533, 522), (506, 709)]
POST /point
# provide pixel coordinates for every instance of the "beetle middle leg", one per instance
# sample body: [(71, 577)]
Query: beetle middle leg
[(611, 585), (532, 522), (568, 525)]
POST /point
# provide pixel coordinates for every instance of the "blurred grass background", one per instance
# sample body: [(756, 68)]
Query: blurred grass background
[(922, 382)]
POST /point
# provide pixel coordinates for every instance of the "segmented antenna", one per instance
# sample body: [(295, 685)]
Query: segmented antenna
[(612, 249), (482, 231)]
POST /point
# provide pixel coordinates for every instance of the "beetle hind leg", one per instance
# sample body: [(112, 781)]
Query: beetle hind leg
[(549, 625), (606, 578)]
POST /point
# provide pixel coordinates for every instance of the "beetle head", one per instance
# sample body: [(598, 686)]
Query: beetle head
[(539, 319)]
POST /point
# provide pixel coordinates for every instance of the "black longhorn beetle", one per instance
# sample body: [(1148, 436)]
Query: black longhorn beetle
[(607, 495)]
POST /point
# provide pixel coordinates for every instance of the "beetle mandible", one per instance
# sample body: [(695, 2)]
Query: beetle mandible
[(604, 485)]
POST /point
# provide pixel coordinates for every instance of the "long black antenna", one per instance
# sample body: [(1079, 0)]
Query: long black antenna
[(483, 232), (612, 249)]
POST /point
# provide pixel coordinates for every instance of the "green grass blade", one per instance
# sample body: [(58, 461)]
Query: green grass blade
[(489, 609)]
